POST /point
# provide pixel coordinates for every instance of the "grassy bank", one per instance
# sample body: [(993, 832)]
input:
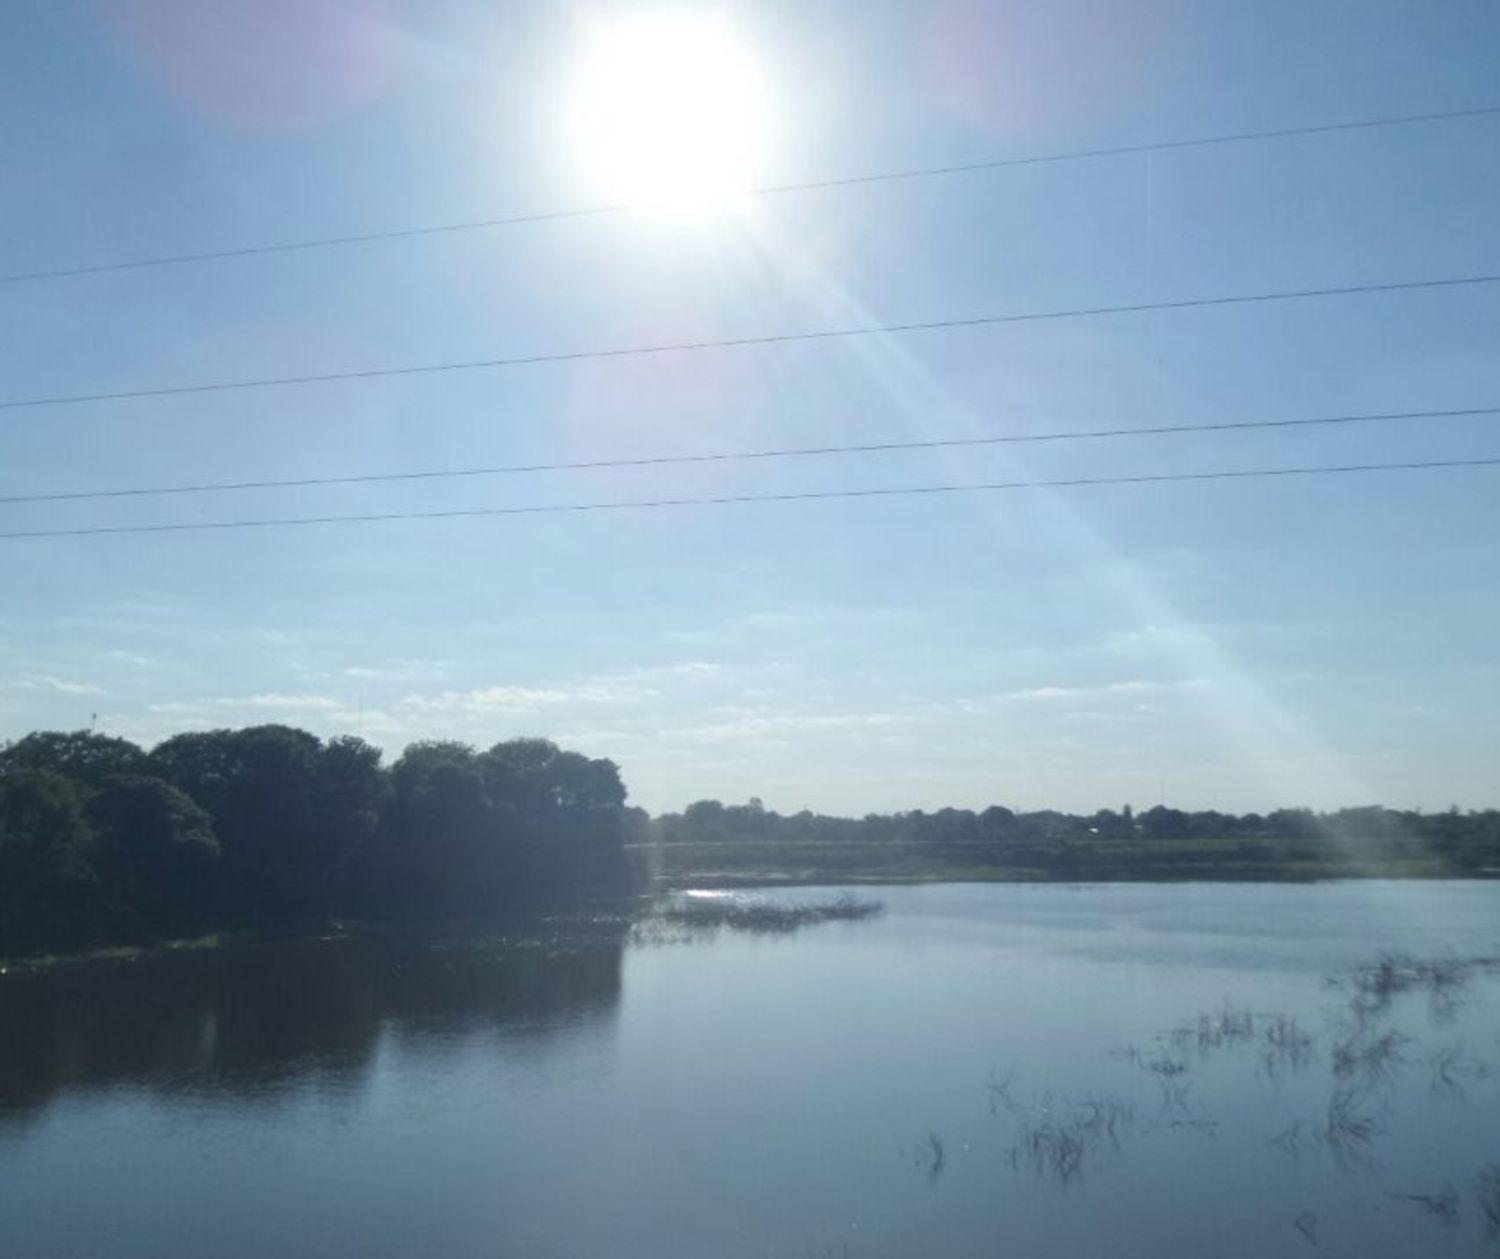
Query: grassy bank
[(758, 863)]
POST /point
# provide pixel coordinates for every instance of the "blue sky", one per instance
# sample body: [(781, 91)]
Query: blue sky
[(1234, 645)]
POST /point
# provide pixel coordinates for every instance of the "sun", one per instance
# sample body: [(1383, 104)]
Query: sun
[(669, 110)]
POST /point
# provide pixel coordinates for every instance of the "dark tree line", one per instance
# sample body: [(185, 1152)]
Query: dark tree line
[(1463, 842), (102, 841)]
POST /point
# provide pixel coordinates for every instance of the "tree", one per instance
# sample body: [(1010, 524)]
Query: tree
[(352, 792), (153, 851), (561, 814), (996, 823), (440, 851), (261, 787), (48, 892), (80, 755), (704, 820), (1162, 823)]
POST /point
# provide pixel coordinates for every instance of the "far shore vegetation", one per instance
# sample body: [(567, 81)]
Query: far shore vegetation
[(718, 845), (105, 844)]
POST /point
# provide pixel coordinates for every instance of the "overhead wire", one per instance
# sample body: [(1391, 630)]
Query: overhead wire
[(792, 452), (729, 343), (726, 499), (769, 190)]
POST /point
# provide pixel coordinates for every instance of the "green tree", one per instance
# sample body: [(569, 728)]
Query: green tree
[(153, 850), (441, 849), (49, 895), (78, 754), (352, 793), (261, 787)]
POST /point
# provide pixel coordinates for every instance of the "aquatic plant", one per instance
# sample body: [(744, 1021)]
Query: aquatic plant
[(937, 1158), (1489, 1198), (1002, 1094), (1348, 1129), (1443, 1205), (1052, 1149), (1451, 1067), (1444, 980), (1285, 1044), (758, 915), (1058, 1143), (1293, 1138), (1373, 1061), (1216, 1030)]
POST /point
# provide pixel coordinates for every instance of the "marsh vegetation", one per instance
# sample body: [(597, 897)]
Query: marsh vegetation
[(1363, 1062)]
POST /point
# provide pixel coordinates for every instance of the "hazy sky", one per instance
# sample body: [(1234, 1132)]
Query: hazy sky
[(1239, 645)]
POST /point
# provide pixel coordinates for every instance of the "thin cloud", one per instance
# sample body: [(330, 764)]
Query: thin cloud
[(407, 669), (273, 700), (497, 699), (132, 658), (43, 681), (1132, 686)]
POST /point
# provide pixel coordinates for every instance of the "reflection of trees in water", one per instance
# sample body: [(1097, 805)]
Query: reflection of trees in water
[(263, 1020)]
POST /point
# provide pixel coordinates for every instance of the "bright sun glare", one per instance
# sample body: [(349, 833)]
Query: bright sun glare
[(669, 110)]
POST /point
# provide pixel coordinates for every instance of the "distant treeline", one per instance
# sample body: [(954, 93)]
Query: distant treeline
[(739, 840), (104, 842)]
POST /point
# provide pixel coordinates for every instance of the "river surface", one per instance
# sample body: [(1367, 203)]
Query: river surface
[(1030, 1071)]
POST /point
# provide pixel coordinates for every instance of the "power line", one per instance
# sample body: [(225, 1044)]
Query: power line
[(721, 500), (652, 461), (819, 185), (730, 343)]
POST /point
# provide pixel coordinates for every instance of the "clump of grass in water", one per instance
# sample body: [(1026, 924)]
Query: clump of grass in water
[(1372, 1061), (1292, 1138), (1392, 975), (1451, 1067), (1348, 1129), (1489, 1198), (1171, 1076), (1104, 1118), (1442, 1205), (1217, 1030), (1058, 1145), (1167, 1068), (937, 1158), (1002, 1095), (1286, 1043), (739, 914), (1050, 1149)]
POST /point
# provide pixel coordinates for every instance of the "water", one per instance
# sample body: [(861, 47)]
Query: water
[(982, 1069)]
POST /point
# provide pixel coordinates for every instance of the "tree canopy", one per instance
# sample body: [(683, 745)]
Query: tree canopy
[(101, 840)]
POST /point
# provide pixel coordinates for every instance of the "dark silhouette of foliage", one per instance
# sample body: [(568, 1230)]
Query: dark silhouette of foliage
[(154, 849), (712, 839), (47, 889), (271, 826), (81, 755), (101, 841)]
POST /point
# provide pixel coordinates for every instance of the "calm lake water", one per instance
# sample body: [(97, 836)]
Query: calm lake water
[(980, 1070)]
